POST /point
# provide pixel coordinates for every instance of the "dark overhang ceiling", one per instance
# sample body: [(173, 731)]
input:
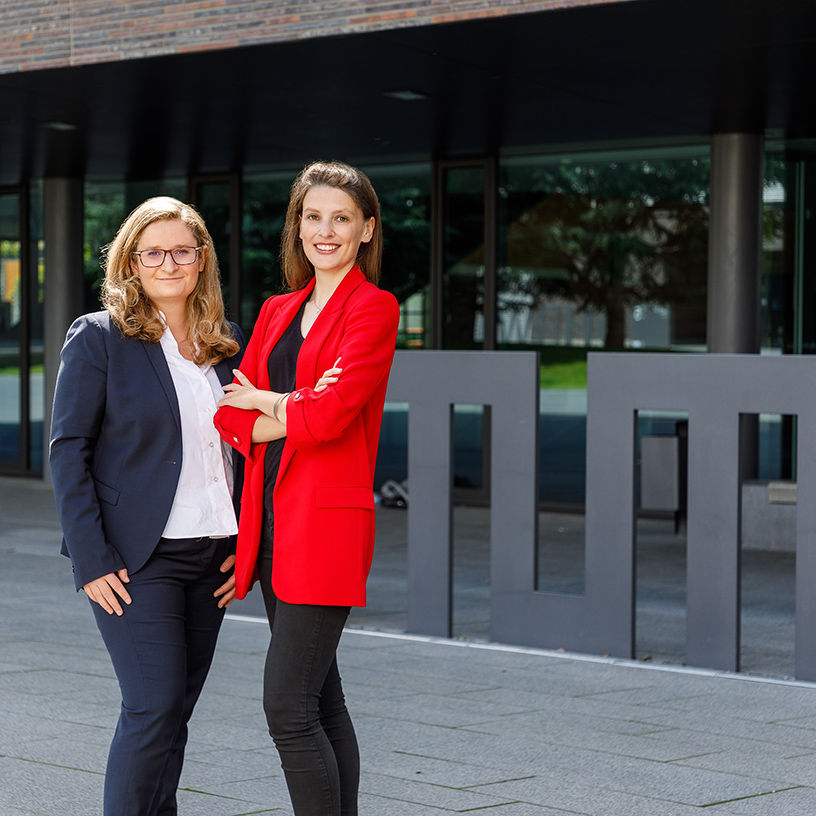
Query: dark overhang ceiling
[(639, 70)]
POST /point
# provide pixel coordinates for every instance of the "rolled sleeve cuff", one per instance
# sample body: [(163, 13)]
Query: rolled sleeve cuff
[(297, 429), (235, 427)]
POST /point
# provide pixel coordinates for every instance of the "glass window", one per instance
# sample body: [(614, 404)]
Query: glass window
[(606, 252), (107, 204), (463, 261), (11, 306), (776, 432), (404, 191), (776, 310), (36, 291), (213, 199), (264, 200)]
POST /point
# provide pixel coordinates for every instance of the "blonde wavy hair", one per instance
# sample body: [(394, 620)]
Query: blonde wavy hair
[(134, 313), (297, 269)]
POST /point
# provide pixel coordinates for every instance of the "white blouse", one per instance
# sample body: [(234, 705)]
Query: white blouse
[(203, 502)]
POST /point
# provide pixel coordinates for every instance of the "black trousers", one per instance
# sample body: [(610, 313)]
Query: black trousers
[(161, 649), (304, 703)]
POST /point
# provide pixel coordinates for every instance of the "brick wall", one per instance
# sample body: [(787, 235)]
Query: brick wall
[(36, 34)]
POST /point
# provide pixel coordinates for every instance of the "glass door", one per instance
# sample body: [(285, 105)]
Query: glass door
[(14, 351)]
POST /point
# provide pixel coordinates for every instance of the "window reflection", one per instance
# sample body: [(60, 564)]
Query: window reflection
[(404, 191), (776, 329), (776, 432), (213, 199), (594, 254), (10, 319), (35, 306), (463, 258), (607, 254), (265, 196)]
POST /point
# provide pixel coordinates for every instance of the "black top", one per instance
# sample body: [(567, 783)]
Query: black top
[(282, 366)]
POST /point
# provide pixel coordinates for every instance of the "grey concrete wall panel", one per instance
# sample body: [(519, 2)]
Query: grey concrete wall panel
[(805, 639), (430, 543), (714, 390), (431, 382)]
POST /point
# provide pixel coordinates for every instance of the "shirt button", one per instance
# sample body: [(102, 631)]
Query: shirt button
[(212, 445)]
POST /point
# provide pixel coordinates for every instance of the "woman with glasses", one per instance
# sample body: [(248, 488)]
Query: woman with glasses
[(144, 486), (310, 442)]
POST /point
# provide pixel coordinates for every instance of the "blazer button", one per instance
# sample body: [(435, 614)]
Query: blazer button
[(236, 440)]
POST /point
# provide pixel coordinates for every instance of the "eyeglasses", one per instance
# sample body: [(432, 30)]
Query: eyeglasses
[(183, 256)]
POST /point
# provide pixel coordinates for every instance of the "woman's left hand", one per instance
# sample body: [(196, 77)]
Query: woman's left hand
[(242, 394), (330, 376), (227, 589)]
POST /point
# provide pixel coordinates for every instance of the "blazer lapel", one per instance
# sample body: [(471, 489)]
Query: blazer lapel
[(223, 371), (307, 372), (157, 360), (277, 325)]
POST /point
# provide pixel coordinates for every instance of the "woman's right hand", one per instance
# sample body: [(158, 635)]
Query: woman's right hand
[(105, 589)]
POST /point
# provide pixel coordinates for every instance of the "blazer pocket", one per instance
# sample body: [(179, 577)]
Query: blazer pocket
[(362, 497), (106, 493)]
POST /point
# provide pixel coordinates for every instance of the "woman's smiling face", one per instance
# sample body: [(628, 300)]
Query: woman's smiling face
[(332, 227), (170, 282)]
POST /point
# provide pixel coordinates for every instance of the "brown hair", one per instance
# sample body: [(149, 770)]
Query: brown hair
[(297, 270), (133, 312)]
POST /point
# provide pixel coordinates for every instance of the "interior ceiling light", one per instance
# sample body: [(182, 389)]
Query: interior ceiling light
[(406, 95), (63, 127)]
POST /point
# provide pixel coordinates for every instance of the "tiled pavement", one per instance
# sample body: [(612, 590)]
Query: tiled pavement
[(444, 726)]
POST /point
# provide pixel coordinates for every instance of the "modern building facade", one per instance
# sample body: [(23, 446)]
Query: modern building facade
[(555, 175)]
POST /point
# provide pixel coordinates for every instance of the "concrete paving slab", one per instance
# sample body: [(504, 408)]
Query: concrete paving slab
[(444, 726)]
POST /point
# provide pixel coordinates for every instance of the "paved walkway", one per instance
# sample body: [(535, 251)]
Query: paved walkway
[(444, 727)]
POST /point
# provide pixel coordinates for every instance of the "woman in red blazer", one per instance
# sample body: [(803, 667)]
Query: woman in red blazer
[(305, 410)]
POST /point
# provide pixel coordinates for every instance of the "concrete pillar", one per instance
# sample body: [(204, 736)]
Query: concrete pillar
[(734, 250), (735, 243), (64, 286)]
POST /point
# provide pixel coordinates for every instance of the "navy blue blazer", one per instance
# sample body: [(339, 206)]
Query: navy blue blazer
[(115, 448)]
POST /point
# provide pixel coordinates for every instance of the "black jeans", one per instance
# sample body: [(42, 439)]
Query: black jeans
[(304, 703)]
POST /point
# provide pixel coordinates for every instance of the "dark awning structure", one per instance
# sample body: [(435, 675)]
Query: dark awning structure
[(623, 71)]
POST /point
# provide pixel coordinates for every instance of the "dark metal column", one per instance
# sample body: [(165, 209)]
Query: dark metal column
[(62, 227), (734, 243)]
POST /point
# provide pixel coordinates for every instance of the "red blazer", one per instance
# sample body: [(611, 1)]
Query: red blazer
[(324, 499)]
